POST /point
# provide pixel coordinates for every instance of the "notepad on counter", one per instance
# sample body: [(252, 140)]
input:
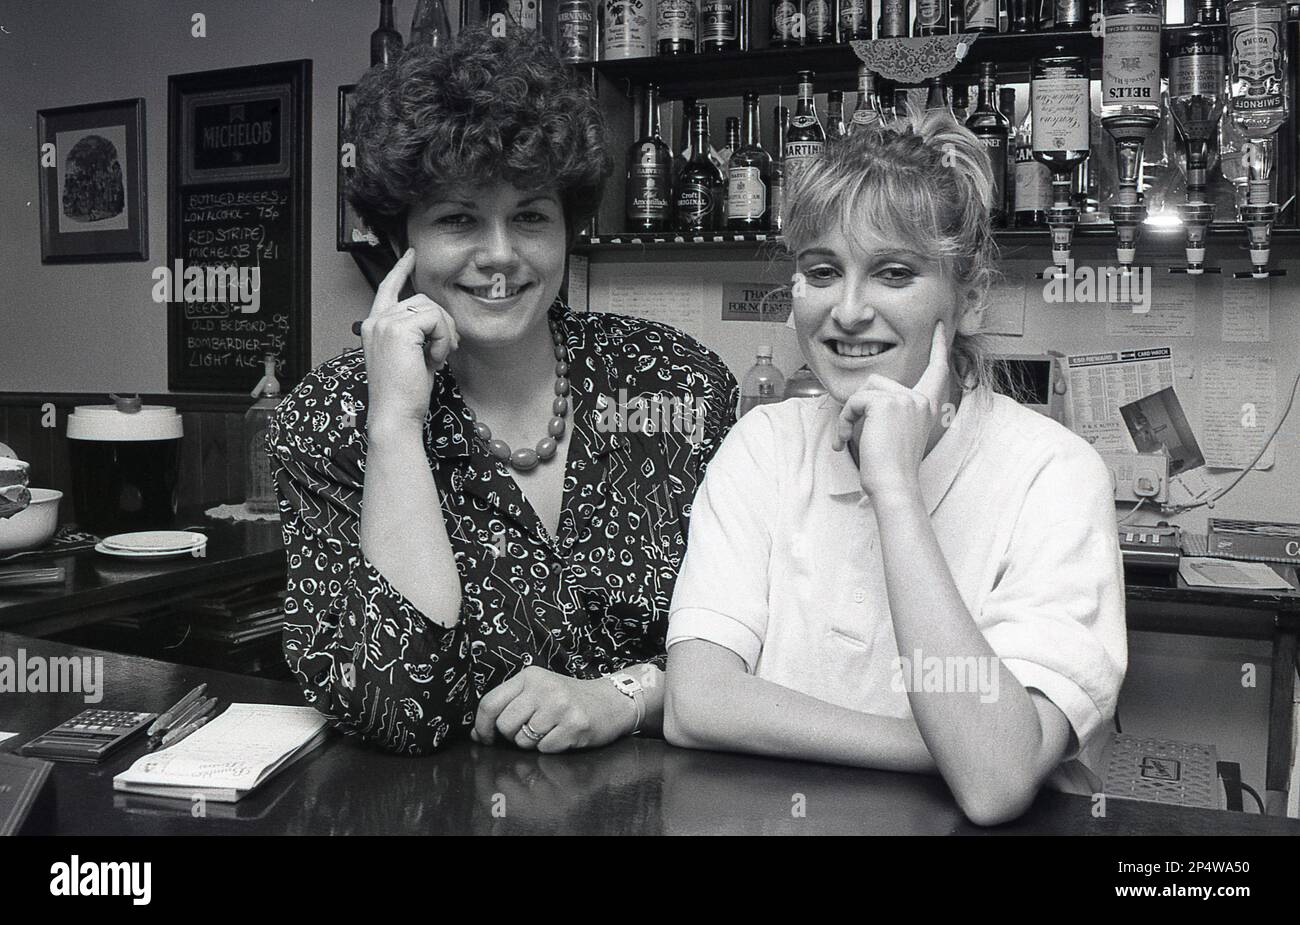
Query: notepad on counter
[(1230, 573), (229, 757)]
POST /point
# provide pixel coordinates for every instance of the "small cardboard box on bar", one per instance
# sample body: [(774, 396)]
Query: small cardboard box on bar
[(1258, 540)]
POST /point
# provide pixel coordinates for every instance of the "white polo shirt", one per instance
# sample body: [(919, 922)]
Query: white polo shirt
[(783, 564)]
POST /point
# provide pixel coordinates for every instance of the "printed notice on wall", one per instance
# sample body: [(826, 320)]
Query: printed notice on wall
[(679, 303), (1163, 307), (1099, 383), (578, 280), (755, 302), (1238, 395), (1246, 306), (1004, 312)]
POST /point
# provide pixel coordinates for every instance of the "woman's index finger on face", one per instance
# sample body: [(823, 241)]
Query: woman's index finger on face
[(933, 383), (390, 288)]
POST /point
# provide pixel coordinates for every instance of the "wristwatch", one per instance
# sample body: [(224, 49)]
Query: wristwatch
[(631, 688)]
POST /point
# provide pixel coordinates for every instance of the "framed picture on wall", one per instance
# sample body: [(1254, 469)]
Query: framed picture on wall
[(92, 183), (353, 235)]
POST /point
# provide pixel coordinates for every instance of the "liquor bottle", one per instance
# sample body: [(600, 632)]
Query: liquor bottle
[(1257, 37), (1207, 12), (806, 139), (749, 176), (1022, 15), (649, 171), (723, 161), (429, 25), (719, 25), (819, 22), (868, 108), (1231, 162), (961, 102), (1007, 105), (762, 385), (675, 22), (776, 194), (1033, 186), (683, 140), (1061, 137), (991, 126), (1059, 100), (902, 106), (385, 42), (981, 15), (1130, 105), (787, 24), (931, 17), (1070, 14), (936, 97), (1196, 68), (626, 29), (520, 13), (855, 20), (733, 142), (576, 31), (893, 19), (700, 184), (835, 127)]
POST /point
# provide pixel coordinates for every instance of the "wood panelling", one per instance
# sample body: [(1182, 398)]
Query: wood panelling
[(212, 456)]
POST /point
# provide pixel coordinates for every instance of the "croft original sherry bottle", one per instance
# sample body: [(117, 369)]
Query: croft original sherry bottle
[(749, 176), (991, 126), (806, 139), (700, 184), (649, 172)]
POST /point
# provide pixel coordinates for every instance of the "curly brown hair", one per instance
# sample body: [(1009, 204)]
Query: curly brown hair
[(480, 109)]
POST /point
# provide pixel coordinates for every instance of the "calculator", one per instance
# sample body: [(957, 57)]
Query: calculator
[(89, 737)]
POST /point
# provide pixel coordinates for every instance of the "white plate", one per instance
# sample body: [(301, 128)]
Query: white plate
[(152, 554), (155, 541)]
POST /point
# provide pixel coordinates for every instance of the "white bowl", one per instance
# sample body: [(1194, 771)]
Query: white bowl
[(32, 527)]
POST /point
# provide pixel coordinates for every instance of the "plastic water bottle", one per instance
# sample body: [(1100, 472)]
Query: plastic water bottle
[(763, 384)]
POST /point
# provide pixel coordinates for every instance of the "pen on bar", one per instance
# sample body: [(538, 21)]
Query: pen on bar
[(189, 715), (181, 732), (164, 722)]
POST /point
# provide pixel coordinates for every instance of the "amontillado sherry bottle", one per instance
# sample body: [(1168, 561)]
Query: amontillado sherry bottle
[(749, 176), (649, 172)]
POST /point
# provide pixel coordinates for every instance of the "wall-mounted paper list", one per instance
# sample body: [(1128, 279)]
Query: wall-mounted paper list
[(679, 303), (1238, 394), (1166, 307), (1246, 304), (1004, 311)]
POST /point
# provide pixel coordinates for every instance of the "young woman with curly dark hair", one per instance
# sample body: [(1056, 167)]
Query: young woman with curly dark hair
[(473, 549)]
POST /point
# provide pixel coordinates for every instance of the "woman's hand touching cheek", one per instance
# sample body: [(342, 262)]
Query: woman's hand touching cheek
[(890, 425)]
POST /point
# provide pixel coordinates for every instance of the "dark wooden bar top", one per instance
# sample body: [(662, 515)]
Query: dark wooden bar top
[(636, 786), (99, 586)]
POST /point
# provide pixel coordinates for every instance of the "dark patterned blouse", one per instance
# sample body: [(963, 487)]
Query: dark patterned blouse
[(591, 600)]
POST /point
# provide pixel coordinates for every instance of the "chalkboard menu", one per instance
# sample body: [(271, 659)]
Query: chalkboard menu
[(238, 198)]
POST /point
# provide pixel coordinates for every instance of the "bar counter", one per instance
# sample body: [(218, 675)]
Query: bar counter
[(636, 786)]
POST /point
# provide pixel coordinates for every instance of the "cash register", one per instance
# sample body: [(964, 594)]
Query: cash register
[(1151, 553)]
